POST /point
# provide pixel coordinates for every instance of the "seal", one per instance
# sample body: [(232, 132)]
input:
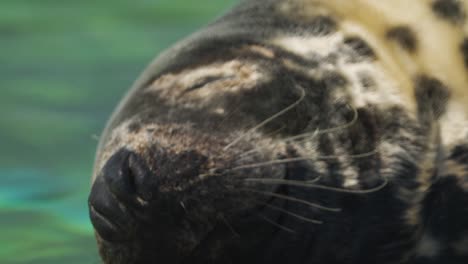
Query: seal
[(294, 131)]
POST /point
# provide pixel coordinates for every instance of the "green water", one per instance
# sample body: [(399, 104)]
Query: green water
[(63, 66)]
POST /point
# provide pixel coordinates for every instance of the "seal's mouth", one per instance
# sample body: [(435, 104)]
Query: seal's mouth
[(107, 228), (108, 216)]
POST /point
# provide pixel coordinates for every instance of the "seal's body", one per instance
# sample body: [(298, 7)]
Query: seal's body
[(295, 131)]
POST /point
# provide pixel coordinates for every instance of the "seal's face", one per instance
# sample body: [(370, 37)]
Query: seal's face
[(179, 182), (217, 165), (294, 131)]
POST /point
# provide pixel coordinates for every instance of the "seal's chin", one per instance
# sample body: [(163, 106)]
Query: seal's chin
[(226, 243)]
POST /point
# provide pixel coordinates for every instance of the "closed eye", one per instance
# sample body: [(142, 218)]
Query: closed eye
[(206, 80)]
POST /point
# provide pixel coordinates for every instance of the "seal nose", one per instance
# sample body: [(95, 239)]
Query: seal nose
[(122, 173), (110, 196), (128, 189)]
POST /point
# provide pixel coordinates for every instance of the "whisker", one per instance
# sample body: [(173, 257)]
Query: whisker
[(283, 161), (271, 134), (218, 125), (300, 217), (251, 152), (310, 135), (316, 179), (235, 141), (257, 149), (283, 181), (327, 130), (289, 230), (294, 199), (230, 227), (317, 186), (226, 117), (204, 175)]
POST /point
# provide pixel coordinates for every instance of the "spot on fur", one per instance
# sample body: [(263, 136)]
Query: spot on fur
[(464, 51), (404, 36), (432, 95), (450, 10), (322, 26), (361, 47)]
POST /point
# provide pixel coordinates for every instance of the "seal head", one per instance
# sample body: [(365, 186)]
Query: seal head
[(290, 131)]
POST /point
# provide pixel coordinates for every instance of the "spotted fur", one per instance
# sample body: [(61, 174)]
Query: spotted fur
[(347, 118)]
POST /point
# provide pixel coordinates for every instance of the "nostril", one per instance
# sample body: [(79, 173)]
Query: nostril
[(131, 181), (119, 176), (139, 173), (127, 176)]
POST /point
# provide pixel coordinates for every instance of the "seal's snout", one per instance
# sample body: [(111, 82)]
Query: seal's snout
[(176, 194), (130, 190), (152, 201)]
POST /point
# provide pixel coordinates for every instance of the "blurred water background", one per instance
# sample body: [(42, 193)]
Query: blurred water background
[(63, 67)]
